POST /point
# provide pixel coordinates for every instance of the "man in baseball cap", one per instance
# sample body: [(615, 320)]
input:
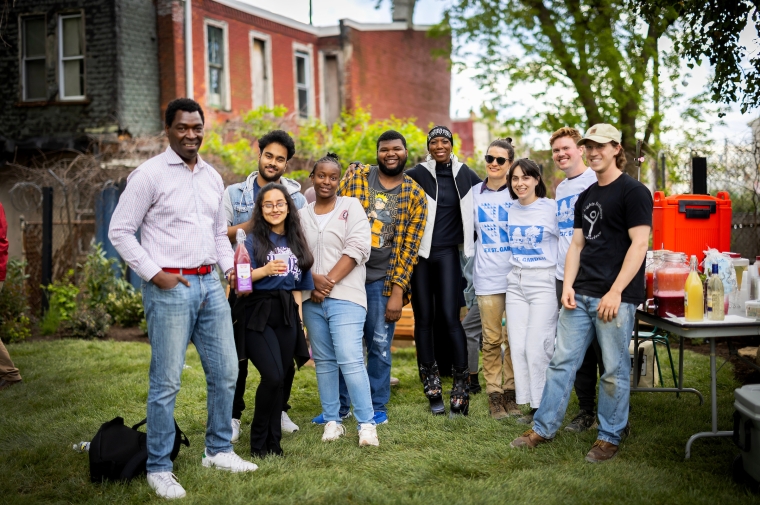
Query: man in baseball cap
[(601, 133), (603, 283)]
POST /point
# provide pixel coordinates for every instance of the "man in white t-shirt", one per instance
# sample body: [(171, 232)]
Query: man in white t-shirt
[(569, 158)]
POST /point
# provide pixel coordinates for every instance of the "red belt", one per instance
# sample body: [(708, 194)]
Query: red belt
[(201, 270)]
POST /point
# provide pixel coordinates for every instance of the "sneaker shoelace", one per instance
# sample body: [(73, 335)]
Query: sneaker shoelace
[(168, 479)]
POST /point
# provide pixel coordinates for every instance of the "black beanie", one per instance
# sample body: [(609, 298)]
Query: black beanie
[(440, 131)]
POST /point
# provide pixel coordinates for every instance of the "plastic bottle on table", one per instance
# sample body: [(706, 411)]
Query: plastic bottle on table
[(693, 299), (242, 265), (715, 297)]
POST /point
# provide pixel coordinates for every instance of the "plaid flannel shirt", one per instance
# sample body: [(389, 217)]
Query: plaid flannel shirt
[(411, 212)]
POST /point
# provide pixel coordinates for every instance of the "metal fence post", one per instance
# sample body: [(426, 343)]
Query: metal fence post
[(47, 243)]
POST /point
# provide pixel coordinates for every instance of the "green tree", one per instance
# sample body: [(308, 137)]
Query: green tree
[(711, 29), (591, 61)]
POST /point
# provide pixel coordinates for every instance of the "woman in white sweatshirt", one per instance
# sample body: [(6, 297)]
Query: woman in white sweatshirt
[(531, 299), (340, 239)]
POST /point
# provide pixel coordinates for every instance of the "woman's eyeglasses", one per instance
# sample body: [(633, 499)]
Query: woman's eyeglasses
[(499, 160), (269, 206)]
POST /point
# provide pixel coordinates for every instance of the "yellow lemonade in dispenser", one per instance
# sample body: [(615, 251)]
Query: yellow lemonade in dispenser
[(694, 295)]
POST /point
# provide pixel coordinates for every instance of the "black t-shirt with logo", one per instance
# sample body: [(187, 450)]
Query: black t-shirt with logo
[(383, 218), (605, 214)]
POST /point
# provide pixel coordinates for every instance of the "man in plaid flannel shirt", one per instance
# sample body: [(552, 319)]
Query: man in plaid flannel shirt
[(396, 207)]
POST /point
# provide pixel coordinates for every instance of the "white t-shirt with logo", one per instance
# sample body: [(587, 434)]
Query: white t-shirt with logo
[(533, 234), (567, 194), (492, 253)]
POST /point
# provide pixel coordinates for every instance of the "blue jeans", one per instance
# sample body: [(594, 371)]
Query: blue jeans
[(575, 332), (334, 328), (199, 314), (378, 337)]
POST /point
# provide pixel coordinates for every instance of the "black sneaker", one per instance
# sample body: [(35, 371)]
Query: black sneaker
[(585, 420)]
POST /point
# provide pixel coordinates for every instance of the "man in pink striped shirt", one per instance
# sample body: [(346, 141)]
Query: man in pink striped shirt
[(175, 199)]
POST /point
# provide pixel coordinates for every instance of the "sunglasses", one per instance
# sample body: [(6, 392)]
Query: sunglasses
[(499, 160)]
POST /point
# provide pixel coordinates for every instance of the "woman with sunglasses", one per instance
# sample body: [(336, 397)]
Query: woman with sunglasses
[(531, 298), (340, 239), (491, 202), (268, 327), (437, 277)]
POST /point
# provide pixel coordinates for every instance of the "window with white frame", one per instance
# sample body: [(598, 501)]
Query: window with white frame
[(261, 70), (217, 64), (33, 60), (71, 57), (303, 83)]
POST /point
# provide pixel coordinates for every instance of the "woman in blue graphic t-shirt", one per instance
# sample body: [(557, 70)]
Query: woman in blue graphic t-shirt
[(268, 328), (531, 298)]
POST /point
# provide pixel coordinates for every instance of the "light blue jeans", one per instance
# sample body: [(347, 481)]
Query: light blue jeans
[(199, 314), (575, 332), (378, 337), (335, 334)]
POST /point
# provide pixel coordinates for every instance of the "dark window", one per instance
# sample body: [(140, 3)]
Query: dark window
[(215, 65), (33, 79)]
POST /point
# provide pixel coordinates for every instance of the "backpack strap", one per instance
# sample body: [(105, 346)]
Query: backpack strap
[(141, 423)]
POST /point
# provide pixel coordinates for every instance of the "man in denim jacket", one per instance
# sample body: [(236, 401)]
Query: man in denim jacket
[(275, 148)]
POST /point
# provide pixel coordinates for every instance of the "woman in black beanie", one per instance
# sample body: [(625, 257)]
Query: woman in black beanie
[(436, 281)]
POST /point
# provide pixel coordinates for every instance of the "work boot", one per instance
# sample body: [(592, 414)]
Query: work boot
[(509, 402), (530, 439), (601, 451), (496, 406)]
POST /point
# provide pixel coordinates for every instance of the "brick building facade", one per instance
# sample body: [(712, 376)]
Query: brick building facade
[(78, 69)]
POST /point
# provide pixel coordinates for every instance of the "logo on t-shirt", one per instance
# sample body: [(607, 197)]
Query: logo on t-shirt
[(566, 214), (492, 220), (526, 240), (382, 216), (292, 261), (592, 214)]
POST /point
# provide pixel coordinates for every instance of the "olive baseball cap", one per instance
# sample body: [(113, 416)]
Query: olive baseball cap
[(601, 133)]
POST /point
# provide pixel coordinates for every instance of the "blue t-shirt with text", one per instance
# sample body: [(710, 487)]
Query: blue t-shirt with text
[(293, 280)]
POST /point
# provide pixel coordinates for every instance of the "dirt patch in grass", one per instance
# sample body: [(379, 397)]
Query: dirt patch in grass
[(743, 372), (115, 332)]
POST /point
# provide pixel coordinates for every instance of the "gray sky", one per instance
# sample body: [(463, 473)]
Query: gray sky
[(465, 94)]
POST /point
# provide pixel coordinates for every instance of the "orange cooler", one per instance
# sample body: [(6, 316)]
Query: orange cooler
[(692, 223)]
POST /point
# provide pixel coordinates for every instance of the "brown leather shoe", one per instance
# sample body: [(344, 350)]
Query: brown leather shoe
[(508, 401), (495, 406), (601, 451), (529, 439)]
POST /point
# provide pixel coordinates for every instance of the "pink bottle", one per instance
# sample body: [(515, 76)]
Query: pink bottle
[(242, 265)]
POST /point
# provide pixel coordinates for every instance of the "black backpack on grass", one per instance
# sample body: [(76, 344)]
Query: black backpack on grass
[(120, 453)]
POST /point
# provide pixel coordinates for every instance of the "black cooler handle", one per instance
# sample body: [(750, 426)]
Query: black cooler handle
[(704, 210)]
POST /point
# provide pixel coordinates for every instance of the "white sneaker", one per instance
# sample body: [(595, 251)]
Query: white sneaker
[(228, 461), (166, 486), (287, 425), (368, 435), (235, 430), (333, 431)]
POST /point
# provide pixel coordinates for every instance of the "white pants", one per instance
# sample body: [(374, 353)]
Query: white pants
[(532, 323)]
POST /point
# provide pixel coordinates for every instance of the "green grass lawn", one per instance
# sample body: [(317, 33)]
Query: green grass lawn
[(71, 387)]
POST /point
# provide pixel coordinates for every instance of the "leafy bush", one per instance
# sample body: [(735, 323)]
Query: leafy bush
[(14, 323), (62, 297), (88, 323), (352, 137), (104, 290)]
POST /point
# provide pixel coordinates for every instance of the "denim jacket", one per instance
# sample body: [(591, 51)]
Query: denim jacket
[(238, 198)]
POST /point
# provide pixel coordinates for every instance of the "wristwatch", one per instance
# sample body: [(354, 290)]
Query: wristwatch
[(228, 272)]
